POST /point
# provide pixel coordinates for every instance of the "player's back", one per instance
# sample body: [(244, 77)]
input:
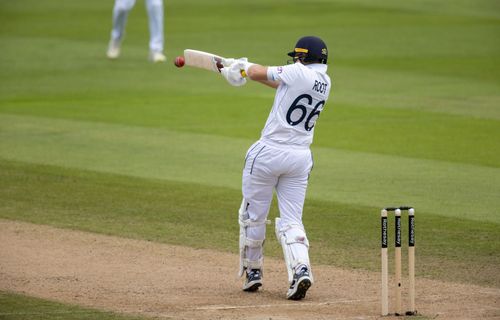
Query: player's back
[(299, 100)]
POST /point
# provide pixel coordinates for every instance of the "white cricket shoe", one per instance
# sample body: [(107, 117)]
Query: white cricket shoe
[(253, 280), (113, 49), (300, 284), (157, 56)]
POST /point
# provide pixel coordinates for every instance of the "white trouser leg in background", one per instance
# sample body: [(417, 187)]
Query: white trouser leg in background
[(155, 13), (120, 14)]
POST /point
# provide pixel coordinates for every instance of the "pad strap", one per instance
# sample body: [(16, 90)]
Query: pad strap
[(246, 242)]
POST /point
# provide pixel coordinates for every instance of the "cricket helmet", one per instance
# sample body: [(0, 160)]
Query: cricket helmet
[(310, 50)]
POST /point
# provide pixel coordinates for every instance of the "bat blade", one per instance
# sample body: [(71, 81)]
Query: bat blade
[(203, 60)]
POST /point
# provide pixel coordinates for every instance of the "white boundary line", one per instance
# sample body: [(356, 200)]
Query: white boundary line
[(227, 307)]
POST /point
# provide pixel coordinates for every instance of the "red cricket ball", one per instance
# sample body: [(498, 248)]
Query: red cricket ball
[(179, 61)]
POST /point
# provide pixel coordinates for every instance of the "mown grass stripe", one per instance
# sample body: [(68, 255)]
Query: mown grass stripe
[(457, 190)]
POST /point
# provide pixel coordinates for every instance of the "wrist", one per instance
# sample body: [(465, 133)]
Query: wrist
[(246, 67)]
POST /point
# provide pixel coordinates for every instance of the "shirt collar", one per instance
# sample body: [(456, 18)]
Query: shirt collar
[(317, 67)]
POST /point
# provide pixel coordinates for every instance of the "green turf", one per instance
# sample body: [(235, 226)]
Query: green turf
[(141, 150), (205, 216), (19, 307), (350, 177)]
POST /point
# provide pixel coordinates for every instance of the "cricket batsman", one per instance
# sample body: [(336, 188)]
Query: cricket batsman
[(281, 160)]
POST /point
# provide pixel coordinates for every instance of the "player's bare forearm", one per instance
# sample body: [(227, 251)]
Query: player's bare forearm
[(269, 83), (258, 73)]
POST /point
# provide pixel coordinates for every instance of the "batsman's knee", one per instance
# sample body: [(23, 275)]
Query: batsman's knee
[(124, 5), (156, 3)]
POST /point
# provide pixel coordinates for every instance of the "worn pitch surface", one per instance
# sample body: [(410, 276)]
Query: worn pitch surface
[(151, 279)]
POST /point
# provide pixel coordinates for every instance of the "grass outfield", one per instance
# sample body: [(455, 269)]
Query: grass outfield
[(149, 151), (18, 307)]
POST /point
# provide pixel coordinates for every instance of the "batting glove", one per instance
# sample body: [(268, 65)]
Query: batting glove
[(244, 65), (226, 62), (233, 74)]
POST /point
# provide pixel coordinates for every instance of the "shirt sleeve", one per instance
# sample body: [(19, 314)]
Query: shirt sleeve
[(287, 73)]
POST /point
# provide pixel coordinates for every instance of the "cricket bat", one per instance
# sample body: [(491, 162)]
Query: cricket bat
[(203, 60)]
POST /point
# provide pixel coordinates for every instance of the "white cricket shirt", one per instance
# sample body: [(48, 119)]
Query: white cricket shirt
[(299, 99)]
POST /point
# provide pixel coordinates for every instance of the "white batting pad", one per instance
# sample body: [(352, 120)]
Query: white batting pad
[(295, 246)]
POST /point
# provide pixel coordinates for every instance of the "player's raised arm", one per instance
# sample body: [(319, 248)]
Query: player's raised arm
[(258, 73), (240, 70)]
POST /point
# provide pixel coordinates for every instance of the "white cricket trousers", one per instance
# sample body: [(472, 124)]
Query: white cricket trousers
[(155, 13), (270, 167)]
